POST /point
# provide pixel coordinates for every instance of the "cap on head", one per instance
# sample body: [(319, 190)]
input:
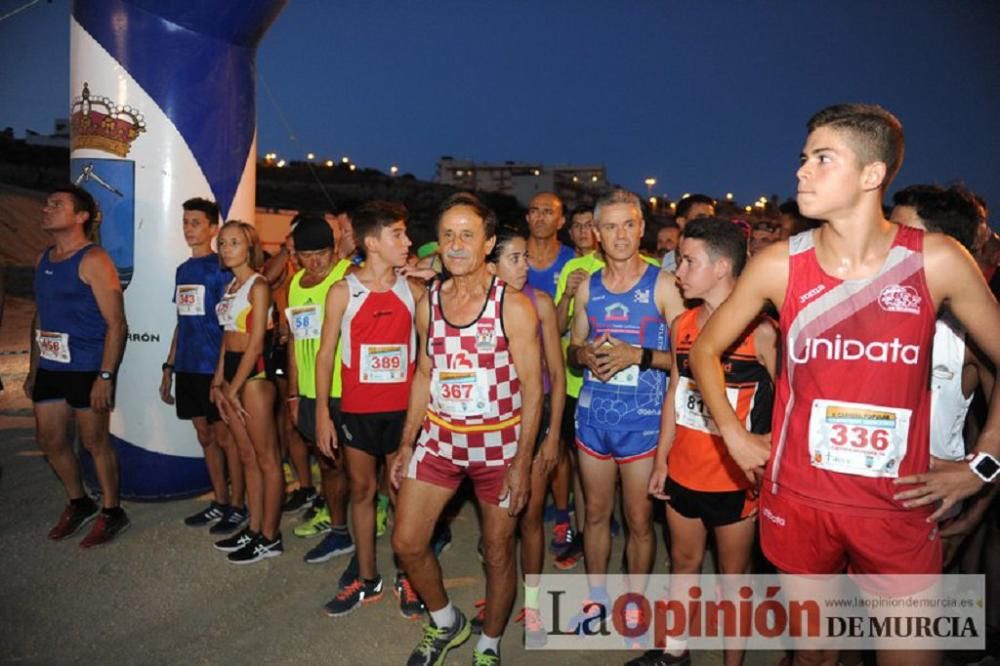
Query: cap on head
[(311, 233)]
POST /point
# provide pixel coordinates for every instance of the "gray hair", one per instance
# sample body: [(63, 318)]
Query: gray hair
[(616, 197)]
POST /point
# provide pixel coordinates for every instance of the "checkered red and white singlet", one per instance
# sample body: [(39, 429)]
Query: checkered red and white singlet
[(489, 435)]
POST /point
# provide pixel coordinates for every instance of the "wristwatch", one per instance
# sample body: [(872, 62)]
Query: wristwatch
[(105, 375), (983, 465)]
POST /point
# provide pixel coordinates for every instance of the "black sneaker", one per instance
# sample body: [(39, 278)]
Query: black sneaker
[(433, 647), (235, 542), (318, 503), (410, 605), (298, 500), (73, 518), (209, 514), (660, 658), (354, 594), (232, 519), (260, 548)]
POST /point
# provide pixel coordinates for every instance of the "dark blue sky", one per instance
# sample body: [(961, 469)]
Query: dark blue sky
[(704, 96)]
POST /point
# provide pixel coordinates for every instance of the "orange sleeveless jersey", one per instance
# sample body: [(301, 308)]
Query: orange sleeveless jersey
[(698, 457)]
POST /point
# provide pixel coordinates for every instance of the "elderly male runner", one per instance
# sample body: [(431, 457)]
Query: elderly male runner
[(475, 403), (79, 336), (848, 482)]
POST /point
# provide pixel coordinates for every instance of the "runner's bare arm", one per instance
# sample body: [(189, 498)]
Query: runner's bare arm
[(764, 280), (668, 424), (333, 314), (521, 328), (552, 349), (275, 268), (167, 379), (580, 353), (98, 271), (955, 280), (420, 393), (765, 341)]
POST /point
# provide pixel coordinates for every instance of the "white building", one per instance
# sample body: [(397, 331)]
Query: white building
[(574, 184)]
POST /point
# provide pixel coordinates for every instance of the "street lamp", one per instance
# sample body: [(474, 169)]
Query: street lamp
[(650, 182), (310, 156), (393, 170)]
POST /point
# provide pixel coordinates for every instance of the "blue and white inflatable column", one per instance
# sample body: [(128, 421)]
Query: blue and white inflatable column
[(163, 109)]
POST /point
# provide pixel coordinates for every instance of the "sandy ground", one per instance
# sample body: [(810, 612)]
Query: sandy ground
[(162, 595)]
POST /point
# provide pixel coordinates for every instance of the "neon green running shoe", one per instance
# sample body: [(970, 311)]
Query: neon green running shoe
[(381, 514), (318, 524)]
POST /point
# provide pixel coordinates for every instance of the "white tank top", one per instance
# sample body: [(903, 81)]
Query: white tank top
[(949, 405)]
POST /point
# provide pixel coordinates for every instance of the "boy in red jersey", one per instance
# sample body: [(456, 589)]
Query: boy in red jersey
[(848, 482), (370, 313)]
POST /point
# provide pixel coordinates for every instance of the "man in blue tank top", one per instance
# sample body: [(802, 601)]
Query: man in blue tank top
[(546, 255), (194, 352), (79, 334), (619, 339)]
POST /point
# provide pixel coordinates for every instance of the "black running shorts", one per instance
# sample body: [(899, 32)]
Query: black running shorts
[(191, 396), (72, 387), (376, 434), (307, 417), (715, 509)]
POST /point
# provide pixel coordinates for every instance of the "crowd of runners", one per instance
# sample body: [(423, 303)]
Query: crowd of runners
[(819, 372)]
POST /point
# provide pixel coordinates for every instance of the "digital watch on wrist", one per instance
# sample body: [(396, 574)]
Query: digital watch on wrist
[(983, 465)]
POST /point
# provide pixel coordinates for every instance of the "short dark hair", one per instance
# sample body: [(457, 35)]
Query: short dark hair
[(667, 223), (368, 219), (876, 135), (83, 202), (580, 210), (484, 212), (953, 211), (506, 232), (209, 208), (685, 205), (722, 239)]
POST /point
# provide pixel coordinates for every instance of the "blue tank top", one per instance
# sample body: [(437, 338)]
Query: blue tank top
[(199, 284), (547, 279), (633, 398), (71, 328)]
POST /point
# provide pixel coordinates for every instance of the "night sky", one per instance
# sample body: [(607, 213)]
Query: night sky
[(703, 96)]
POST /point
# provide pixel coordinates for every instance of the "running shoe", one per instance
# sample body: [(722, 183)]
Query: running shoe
[(298, 500), (106, 528), (572, 554), (235, 542), (260, 548), (487, 657), (232, 519), (660, 658), (318, 504), (73, 518), (590, 610), (354, 594), (410, 605), (209, 514), (351, 572), (442, 539), (318, 524), (476, 623), (381, 514), (433, 647), (534, 629), (562, 536), (333, 545), (634, 617)]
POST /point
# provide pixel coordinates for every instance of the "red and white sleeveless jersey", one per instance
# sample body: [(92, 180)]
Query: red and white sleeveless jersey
[(377, 345), (475, 395), (852, 402)]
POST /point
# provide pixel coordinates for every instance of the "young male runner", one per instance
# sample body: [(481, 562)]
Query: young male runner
[(847, 482), (307, 291), (199, 284), (79, 333), (704, 488), (475, 402), (370, 314)]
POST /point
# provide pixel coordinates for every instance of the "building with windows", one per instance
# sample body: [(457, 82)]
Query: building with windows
[(574, 184)]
